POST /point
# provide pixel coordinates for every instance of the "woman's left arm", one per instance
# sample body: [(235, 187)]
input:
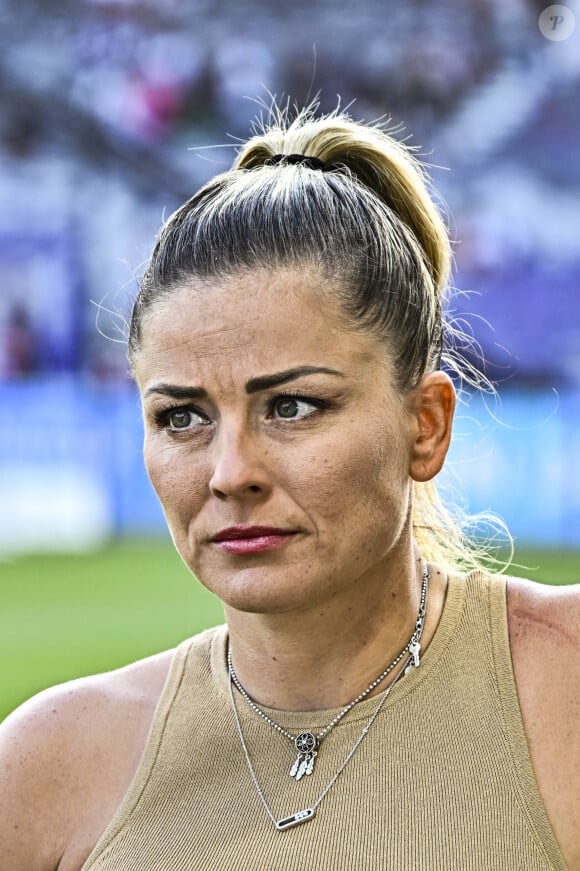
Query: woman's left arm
[(544, 626)]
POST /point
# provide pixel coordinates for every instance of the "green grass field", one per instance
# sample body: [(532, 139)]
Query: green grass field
[(66, 616)]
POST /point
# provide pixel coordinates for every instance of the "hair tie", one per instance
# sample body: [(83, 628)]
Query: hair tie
[(296, 160)]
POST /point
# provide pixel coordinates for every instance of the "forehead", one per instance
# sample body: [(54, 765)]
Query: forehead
[(261, 320)]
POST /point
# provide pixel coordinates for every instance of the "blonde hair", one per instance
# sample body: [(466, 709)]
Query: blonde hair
[(367, 217), (376, 159)]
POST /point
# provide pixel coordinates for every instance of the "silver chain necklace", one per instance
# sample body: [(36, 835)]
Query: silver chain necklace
[(308, 813), (307, 743)]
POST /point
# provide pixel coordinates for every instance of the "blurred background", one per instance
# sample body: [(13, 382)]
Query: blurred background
[(107, 111)]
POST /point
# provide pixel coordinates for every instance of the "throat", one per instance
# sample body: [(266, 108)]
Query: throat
[(305, 682)]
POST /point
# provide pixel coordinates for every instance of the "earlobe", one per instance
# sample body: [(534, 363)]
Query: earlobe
[(433, 408)]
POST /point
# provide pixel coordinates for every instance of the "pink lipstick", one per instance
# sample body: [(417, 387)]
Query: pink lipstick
[(241, 540)]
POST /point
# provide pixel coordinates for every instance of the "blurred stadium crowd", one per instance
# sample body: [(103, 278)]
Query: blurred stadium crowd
[(109, 113), (102, 101)]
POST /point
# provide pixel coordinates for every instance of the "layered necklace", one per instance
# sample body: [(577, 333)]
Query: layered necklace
[(307, 743)]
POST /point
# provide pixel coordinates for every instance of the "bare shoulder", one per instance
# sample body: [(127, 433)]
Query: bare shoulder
[(544, 626), (67, 757)]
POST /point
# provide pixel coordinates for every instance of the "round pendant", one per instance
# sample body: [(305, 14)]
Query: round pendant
[(305, 742)]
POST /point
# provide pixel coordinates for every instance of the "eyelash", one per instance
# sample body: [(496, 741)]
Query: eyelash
[(162, 416)]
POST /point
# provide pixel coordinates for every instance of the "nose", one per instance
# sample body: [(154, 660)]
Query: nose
[(239, 467)]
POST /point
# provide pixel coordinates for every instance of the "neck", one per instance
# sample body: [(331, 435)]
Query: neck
[(325, 657)]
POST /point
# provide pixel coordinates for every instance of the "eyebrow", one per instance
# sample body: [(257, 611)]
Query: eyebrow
[(254, 385), (263, 382)]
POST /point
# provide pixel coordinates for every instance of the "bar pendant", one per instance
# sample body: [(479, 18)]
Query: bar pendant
[(295, 820)]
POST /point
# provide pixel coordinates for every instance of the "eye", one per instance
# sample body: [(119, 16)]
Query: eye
[(294, 407), (179, 419)]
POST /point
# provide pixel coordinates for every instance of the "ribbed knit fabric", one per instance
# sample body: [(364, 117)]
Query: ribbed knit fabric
[(442, 781)]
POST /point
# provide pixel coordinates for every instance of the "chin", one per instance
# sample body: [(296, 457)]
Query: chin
[(258, 591)]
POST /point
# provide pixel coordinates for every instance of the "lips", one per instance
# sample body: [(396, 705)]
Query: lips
[(237, 532), (247, 541)]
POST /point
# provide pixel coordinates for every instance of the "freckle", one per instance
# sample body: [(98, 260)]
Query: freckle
[(274, 659), (54, 710)]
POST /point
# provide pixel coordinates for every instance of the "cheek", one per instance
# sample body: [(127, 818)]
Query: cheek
[(177, 487), (364, 474)]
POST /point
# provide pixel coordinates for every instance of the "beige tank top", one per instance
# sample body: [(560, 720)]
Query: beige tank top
[(442, 781)]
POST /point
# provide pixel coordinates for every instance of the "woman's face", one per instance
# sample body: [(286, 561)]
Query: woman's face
[(262, 407)]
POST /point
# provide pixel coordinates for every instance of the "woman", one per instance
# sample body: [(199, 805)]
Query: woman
[(366, 706)]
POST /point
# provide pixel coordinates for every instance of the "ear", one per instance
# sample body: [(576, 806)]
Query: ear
[(432, 407)]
